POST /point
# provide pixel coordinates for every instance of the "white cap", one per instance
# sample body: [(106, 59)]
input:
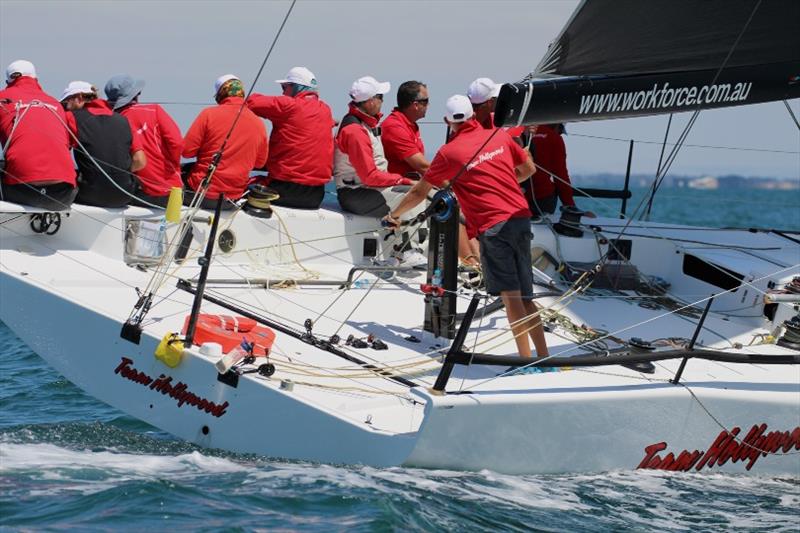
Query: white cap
[(76, 87), (482, 90), (365, 88), (459, 108), (221, 81), (300, 76), (21, 67)]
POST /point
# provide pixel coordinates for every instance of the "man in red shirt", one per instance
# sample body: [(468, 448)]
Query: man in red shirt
[(106, 151), (482, 94), (35, 142), (400, 136), (484, 168), (363, 184), (158, 134), (246, 149), (301, 144), (543, 190)]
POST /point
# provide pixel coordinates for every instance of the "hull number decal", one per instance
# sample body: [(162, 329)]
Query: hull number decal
[(163, 384)]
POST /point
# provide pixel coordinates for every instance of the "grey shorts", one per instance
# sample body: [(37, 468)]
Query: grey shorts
[(506, 257)]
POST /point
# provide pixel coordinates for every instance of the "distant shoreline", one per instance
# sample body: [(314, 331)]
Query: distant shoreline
[(690, 182)]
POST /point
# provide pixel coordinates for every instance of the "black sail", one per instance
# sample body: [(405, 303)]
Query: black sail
[(622, 58)]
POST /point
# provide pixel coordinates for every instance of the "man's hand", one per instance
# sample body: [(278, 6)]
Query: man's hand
[(390, 222)]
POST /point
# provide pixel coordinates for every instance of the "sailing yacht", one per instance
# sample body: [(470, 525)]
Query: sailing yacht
[(286, 333)]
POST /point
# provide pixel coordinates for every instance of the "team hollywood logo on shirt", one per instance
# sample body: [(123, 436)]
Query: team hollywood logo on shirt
[(486, 156)]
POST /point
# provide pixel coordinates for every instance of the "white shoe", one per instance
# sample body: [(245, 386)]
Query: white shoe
[(412, 258)]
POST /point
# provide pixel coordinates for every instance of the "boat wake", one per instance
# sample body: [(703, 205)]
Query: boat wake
[(172, 482)]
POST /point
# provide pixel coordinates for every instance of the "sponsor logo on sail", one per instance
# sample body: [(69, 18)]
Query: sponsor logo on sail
[(728, 446), (664, 97)]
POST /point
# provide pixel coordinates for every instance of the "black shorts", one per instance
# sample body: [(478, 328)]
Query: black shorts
[(506, 257), (55, 197), (540, 206), (296, 195)]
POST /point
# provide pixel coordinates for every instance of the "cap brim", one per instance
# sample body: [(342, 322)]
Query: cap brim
[(496, 91), (384, 87), (282, 81)]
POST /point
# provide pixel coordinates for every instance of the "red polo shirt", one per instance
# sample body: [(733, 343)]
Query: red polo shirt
[(162, 144), (401, 139), (551, 154), (487, 191), (39, 146), (301, 143), (246, 148)]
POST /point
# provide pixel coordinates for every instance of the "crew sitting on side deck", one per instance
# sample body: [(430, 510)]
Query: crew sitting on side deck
[(301, 144), (107, 152), (359, 166), (38, 167), (245, 150), (158, 135)]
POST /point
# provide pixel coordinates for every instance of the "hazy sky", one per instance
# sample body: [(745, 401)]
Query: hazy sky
[(180, 47)]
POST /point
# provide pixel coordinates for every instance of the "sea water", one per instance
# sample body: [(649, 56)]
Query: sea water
[(68, 461)]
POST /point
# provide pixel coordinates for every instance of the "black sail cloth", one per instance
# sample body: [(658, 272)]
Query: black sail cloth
[(618, 58)]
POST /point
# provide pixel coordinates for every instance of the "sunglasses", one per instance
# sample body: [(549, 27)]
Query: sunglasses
[(422, 101), (379, 97)]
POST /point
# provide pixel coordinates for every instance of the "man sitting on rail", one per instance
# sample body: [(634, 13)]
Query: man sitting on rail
[(106, 151), (35, 142), (301, 144), (245, 150)]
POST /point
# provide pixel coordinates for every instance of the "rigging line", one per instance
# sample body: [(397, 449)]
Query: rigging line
[(690, 124), (705, 146), (96, 164), (791, 114), (617, 332), (204, 185), (658, 168)]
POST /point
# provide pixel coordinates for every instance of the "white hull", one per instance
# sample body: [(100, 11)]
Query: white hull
[(67, 296)]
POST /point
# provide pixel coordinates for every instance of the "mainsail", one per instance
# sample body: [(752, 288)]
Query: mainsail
[(622, 58)]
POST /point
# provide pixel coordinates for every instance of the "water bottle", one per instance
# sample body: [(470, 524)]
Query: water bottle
[(360, 284), (436, 281), (241, 351)]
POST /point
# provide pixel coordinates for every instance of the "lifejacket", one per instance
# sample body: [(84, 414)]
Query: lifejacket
[(343, 172)]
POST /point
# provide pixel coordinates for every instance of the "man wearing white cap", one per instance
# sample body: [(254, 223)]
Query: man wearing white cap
[(246, 148), (482, 94), (38, 166), (363, 184), (107, 152), (301, 143), (484, 168)]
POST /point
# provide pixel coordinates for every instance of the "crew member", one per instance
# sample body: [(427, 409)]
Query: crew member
[(301, 144), (484, 168), (363, 184), (158, 134), (402, 142), (245, 150), (551, 180), (106, 151), (35, 143), (482, 94)]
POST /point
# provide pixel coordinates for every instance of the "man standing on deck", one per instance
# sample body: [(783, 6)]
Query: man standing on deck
[(484, 168), (482, 94), (301, 144), (400, 135)]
